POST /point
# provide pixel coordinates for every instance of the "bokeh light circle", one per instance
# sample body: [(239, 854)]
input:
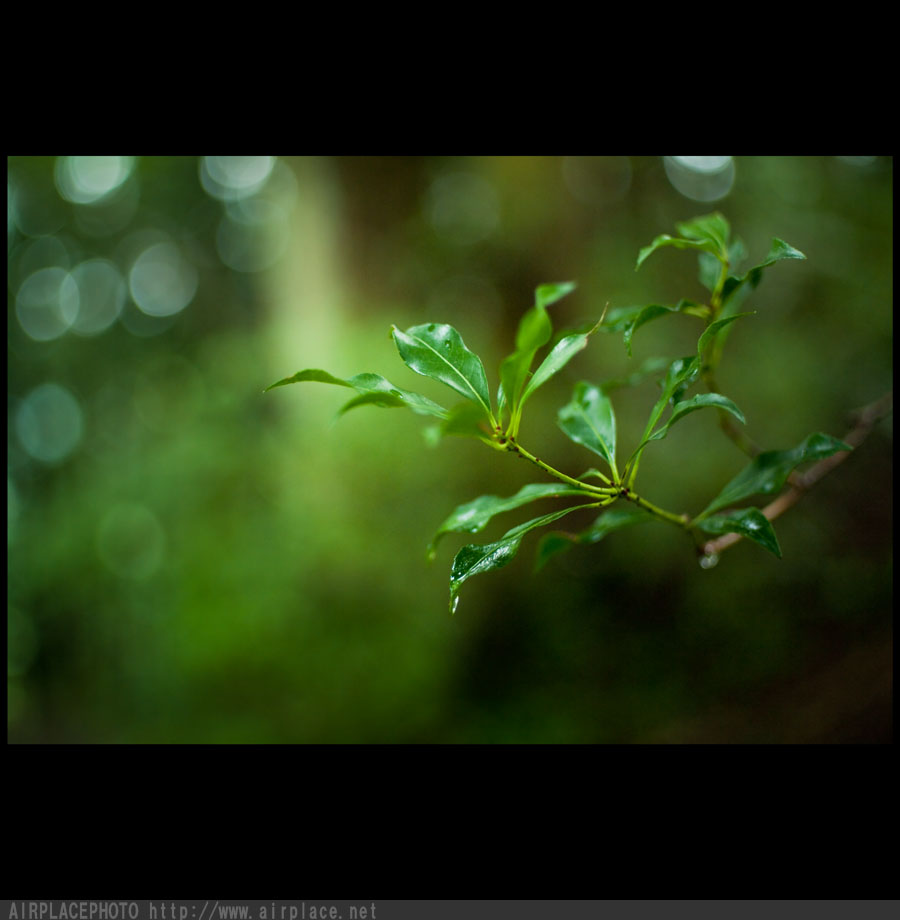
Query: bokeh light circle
[(85, 180), (232, 178), (102, 295), (47, 303), (701, 178), (162, 281), (49, 423)]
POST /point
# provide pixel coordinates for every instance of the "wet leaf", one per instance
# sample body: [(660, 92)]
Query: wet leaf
[(474, 559), (559, 357), (713, 329), (589, 420), (474, 516), (778, 252), (678, 243), (534, 332), (373, 389), (437, 350), (748, 522), (767, 473), (711, 227), (711, 267), (701, 401)]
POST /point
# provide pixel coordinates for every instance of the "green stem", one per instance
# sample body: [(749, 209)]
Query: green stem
[(589, 489), (681, 520), (710, 361), (715, 301)]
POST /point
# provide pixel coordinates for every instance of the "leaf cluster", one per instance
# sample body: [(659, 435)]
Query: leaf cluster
[(437, 351)]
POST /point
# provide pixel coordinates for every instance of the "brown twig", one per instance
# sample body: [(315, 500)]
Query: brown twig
[(864, 420)]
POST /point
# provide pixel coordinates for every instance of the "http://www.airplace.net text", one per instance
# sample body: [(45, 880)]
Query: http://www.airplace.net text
[(190, 910)]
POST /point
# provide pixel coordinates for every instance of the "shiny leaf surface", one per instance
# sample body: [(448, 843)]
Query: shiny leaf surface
[(711, 227), (701, 401), (682, 373), (711, 267), (589, 420), (713, 329), (767, 473), (559, 357), (778, 252), (534, 332), (665, 239), (618, 319), (373, 390), (437, 350), (547, 294), (475, 559), (748, 522), (474, 516)]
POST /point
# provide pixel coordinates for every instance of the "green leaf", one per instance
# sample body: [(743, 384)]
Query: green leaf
[(614, 518), (589, 420), (666, 240), (534, 332), (681, 374), (309, 375), (437, 350), (546, 294), (713, 329), (384, 400), (651, 312), (474, 559), (655, 310), (778, 252), (464, 420), (559, 357), (701, 401), (711, 267), (594, 473), (712, 228), (748, 522), (374, 390), (767, 473), (617, 319), (474, 516)]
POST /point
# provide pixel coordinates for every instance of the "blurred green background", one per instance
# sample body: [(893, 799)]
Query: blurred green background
[(190, 560)]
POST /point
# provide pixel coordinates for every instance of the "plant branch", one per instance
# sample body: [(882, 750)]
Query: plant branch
[(864, 420), (681, 520), (605, 492), (726, 422)]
